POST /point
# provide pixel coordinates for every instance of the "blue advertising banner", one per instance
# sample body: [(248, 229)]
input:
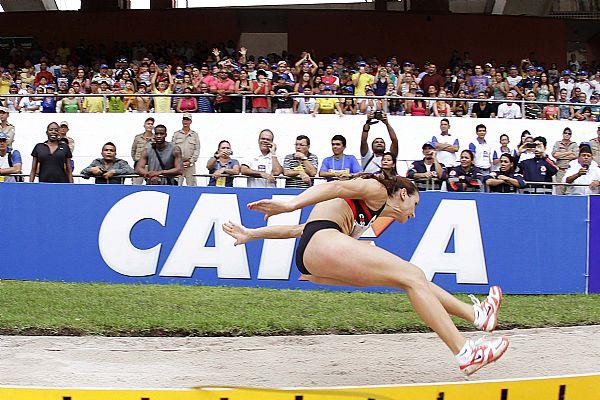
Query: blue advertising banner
[(136, 234), (594, 260)]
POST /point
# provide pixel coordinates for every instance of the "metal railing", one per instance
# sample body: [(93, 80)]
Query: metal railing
[(430, 184), (245, 96)]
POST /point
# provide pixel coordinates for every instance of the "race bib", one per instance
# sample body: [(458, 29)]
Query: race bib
[(1, 179)]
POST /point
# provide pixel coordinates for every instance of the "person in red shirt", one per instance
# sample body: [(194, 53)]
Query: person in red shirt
[(432, 78), (222, 87), (44, 73), (261, 86), (330, 79)]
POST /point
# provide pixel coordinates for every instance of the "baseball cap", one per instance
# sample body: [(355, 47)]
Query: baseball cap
[(427, 144), (117, 85), (349, 89), (103, 66), (282, 63), (407, 63), (489, 65), (187, 116), (122, 59), (362, 64), (539, 68), (566, 72), (327, 87), (3, 136), (582, 73), (64, 123), (531, 68), (179, 75)]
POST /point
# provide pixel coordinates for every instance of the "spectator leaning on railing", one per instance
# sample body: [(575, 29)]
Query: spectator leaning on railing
[(221, 166), (300, 166), (465, 177), (427, 169), (583, 173), (263, 168), (10, 161), (539, 168), (505, 180), (108, 168), (162, 158), (340, 165)]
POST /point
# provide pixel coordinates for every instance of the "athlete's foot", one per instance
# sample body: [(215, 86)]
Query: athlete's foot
[(476, 354), (486, 312)]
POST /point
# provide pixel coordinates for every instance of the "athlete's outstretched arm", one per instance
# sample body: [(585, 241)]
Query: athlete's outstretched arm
[(362, 189), (242, 235)]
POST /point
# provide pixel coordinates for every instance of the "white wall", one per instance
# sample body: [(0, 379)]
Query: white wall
[(91, 131)]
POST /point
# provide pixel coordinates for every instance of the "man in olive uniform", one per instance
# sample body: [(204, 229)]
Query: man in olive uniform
[(139, 144), (189, 143)]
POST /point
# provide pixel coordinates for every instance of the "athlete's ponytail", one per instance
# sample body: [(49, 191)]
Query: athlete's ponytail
[(392, 183)]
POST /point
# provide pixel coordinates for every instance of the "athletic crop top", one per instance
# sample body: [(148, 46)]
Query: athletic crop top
[(363, 216)]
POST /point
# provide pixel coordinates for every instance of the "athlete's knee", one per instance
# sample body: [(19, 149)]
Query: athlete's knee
[(415, 278)]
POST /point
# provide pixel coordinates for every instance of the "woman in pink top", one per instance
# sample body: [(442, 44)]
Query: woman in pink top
[(551, 111), (188, 103)]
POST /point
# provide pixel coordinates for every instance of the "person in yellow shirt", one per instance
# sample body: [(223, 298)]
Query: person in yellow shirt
[(327, 105), (362, 79), (162, 104), (93, 104), (5, 82)]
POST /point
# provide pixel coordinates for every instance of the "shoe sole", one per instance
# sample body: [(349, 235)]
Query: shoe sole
[(477, 367)]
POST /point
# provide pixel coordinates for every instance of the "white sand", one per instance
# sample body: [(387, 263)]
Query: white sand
[(283, 361)]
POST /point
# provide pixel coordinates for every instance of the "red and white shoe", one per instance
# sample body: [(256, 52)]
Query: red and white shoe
[(482, 352), (486, 312)]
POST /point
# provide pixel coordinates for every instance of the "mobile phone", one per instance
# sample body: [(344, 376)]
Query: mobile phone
[(530, 146)]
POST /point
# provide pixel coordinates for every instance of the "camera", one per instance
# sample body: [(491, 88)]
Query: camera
[(378, 115), (530, 146)]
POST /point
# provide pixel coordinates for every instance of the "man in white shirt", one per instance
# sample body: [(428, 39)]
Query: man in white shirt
[(509, 110), (446, 145), (263, 168), (482, 150), (583, 173), (566, 83)]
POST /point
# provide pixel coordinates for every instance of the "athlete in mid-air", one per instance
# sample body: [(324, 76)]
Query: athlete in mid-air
[(329, 253)]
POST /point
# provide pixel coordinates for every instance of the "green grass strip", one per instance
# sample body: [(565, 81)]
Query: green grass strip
[(172, 310)]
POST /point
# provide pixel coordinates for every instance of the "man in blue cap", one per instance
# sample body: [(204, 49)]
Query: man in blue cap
[(566, 83), (10, 161), (103, 75), (530, 80)]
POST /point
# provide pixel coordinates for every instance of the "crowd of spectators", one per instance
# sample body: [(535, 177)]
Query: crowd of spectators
[(447, 164), (53, 78)]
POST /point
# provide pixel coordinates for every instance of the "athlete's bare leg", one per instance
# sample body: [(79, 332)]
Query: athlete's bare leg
[(363, 264), (453, 305), (242, 235)]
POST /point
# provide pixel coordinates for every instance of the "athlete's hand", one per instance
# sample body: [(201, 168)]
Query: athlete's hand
[(240, 233), (270, 207)]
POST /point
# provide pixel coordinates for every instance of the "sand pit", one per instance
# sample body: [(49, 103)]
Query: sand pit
[(283, 361)]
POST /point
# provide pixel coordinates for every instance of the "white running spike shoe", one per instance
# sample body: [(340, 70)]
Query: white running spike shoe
[(486, 312), (482, 352)]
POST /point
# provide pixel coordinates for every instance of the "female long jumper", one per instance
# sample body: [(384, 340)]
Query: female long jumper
[(329, 253)]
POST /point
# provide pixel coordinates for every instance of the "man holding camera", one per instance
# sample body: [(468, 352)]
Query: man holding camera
[(583, 173), (564, 151), (300, 166), (538, 169), (371, 159)]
